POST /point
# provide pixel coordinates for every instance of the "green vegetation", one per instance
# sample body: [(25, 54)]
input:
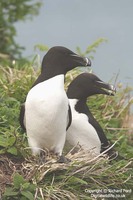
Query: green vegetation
[(84, 177), (12, 11)]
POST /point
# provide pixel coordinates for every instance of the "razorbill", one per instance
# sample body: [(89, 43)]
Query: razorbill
[(85, 130), (46, 111)]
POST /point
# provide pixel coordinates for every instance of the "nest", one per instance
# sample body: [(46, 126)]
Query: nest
[(80, 162), (83, 166)]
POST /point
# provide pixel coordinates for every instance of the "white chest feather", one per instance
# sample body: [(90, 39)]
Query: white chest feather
[(46, 111), (81, 131)]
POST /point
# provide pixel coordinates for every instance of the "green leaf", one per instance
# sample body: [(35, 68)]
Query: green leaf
[(32, 187), (3, 141), (10, 192), (28, 195), (18, 180), (2, 151), (26, 185), (74, 179), (12, 150)]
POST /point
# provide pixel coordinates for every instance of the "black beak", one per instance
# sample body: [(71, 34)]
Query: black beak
[(87, 62), (105, 88), (83, 61)]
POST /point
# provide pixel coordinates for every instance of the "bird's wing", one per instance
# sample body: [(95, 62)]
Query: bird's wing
[(104, 141), (22, 116), (69, 117)]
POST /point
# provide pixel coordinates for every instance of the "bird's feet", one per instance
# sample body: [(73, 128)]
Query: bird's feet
[(42, 158), (63, 159)]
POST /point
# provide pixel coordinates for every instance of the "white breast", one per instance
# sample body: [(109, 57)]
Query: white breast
[(46, 111), (82, 132)]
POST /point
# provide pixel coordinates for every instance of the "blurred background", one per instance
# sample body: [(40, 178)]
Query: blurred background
[(25, 24), (80, 23)]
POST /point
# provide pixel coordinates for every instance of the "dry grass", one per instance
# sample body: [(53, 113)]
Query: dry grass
[(54, 181)]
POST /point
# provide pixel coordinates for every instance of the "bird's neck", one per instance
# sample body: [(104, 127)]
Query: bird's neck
[(44, 76), (81, 106), (78, 105), (48, 70)]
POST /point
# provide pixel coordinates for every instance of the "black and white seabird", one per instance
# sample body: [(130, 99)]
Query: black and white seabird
[(85, 130), (46, 111)]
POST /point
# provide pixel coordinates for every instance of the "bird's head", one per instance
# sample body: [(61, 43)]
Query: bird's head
[(87, 84), (61, 60)]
